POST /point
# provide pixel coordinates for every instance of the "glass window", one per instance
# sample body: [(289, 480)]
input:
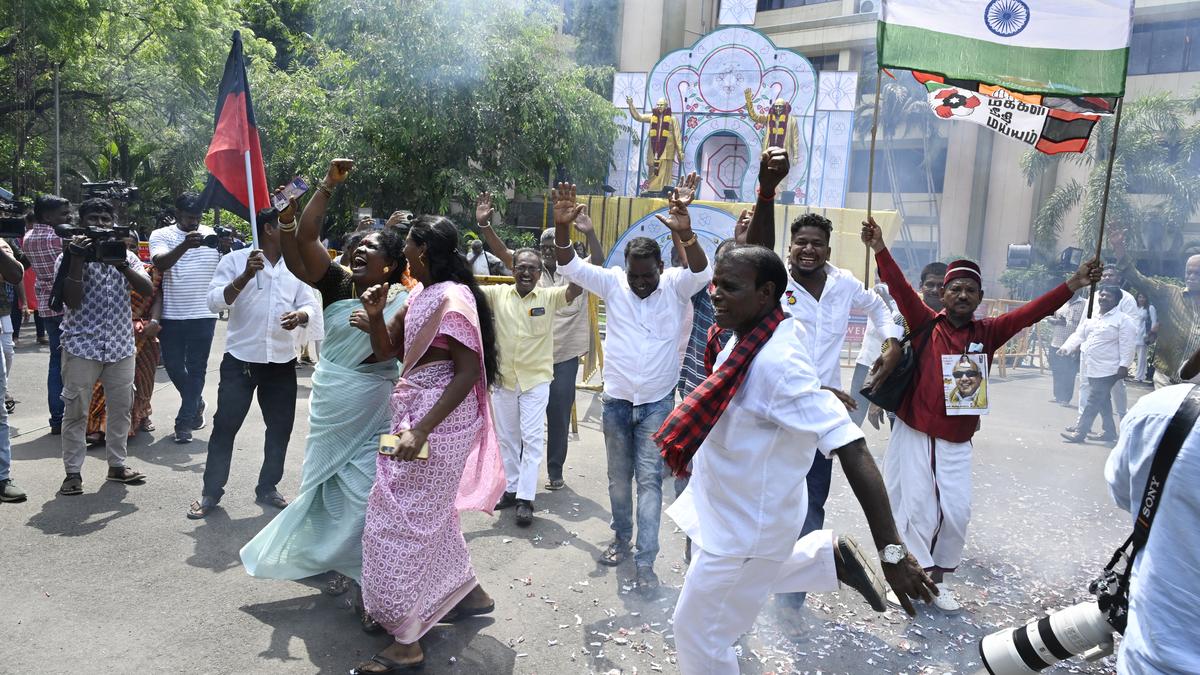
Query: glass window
[(910, 170), (1139, 50), (1165, 47), (764, 5), (1167, 52)]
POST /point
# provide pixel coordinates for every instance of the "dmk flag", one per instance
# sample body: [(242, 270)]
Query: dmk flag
[(234, 159)]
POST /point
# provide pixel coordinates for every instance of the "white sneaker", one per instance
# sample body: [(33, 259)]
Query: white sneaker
[(946, 601)]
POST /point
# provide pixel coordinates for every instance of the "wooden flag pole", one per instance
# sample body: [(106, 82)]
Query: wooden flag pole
[(1112, 156), (871, 174)]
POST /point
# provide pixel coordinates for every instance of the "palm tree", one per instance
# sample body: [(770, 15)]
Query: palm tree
[(1154, 190), (903, 113)]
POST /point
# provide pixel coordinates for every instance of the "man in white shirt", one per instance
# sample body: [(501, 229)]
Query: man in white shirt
[(1128, 305), (746, 500), (187, 262), (821, 297), (1164, 594), (265, 302), (1106, 343), (646, 308)]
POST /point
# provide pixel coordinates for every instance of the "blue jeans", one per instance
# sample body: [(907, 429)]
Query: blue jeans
[(185, 345), (5, 443), (633, 455), (54, 400)]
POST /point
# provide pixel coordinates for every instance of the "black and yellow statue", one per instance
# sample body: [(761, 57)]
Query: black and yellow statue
[(663, 144), (781, 128)]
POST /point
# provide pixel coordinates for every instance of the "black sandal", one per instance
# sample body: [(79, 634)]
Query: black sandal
[(458, 613), (200, 509), (615, 554), (389, 665)]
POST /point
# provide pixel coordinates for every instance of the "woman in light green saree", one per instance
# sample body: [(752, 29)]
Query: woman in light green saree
[(321, 529)]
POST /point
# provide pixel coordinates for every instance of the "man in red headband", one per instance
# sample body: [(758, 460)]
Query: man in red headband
[(928, 462), (751, 429)]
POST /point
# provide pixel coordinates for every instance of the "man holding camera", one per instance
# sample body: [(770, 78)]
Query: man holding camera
[(43, 246), (186, 254), (97, 342), (1164, 594)]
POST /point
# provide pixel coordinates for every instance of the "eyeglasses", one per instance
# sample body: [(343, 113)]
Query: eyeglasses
[(966, 373)]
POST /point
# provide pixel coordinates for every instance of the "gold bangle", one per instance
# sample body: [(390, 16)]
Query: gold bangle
[(288, 227), (688, 242)]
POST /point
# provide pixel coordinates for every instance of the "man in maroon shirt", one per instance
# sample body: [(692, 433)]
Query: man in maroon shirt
[(928, 463)]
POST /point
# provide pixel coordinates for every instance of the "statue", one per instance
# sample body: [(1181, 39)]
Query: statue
[(664, 146), (781, 128)]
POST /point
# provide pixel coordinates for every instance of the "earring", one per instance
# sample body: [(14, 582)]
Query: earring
[(386, 269)]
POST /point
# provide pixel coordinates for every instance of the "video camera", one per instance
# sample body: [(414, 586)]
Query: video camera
[(112, 190), (12, 215), (107, 243), (212, 240)]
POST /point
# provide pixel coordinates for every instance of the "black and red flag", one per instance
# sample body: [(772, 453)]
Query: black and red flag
[(234, 158)]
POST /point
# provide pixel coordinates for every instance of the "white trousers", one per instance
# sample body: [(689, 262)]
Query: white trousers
[(929, 485), (521, 428), (722, 596)]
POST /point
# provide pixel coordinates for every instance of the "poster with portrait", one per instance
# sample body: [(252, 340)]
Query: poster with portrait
[(964, 383)]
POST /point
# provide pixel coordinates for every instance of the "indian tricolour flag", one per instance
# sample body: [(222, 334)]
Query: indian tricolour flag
[(1054, 47)]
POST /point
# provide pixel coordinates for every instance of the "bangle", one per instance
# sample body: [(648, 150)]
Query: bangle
[(688, 242), (762, 197), (288, 227), (235, 286), (569, 245), (323, 187), (482, 226)]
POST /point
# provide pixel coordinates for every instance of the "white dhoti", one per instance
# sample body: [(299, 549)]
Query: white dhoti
[(929, 485), (723, 595)]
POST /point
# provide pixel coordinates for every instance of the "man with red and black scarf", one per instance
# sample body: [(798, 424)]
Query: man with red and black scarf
[(751, 430)]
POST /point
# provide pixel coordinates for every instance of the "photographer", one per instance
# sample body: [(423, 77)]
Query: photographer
[(43, 246), (11, 271), (186, 254), (1164, 592), (97, 344)]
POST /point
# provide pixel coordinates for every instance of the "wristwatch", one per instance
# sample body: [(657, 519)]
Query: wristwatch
[(892, 553)]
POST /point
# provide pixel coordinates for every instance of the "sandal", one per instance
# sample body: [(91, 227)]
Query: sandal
[(615, 554), (146, 425), (272, 498), (369, 625), (124, 474), (201, 508), (458, 613), (389, 665), (72, 485), (556, 484)]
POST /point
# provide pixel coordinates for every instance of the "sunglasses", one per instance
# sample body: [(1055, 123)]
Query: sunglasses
[(966, 373)]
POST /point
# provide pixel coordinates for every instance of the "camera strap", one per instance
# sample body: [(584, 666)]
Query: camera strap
[(1164, 456)]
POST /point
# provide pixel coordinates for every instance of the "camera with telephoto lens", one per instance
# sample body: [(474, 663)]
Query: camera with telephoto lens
[(112, 190), (107, 244), (212, 240), (12, 215), (1085, 629)]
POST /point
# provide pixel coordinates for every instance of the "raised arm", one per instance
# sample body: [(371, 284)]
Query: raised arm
[(583, 225), (484, 210), (1153, 288), (634, 112), (772, 169), (914, 310), (1009, 324), (680, 223), (386, 342), (301, 247), (752, 112), (566, 211)]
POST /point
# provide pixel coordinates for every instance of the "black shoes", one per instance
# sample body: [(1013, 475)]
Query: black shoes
[(647, 581), (507, 500), (524, 512)]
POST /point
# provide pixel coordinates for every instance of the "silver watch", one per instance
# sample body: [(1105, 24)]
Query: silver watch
[(892, 553)]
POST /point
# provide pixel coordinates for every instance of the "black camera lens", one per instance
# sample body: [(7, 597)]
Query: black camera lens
[(210, 241)]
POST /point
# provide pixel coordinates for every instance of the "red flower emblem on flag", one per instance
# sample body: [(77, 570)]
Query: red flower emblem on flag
[(955, 103), (692, 122)]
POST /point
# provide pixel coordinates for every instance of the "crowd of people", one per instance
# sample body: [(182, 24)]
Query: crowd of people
[(434, 394)]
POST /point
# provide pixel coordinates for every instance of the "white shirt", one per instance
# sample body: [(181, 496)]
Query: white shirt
[(825, 321), (1164, 597), (254, 334), (480, 264), (1108, 342), (748, 496), (1128, 304), (185, 284), (641, 341)]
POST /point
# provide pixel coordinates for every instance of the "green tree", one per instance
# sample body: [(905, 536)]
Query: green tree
[(1154, 187)]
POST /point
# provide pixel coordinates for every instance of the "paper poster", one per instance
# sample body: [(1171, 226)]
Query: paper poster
[(964, 380)]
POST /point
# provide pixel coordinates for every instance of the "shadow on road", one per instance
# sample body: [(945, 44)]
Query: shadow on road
[(335, 643), (83, 514), (218, 538)]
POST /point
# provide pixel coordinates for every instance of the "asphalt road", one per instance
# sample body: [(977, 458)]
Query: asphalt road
[(119, 581)]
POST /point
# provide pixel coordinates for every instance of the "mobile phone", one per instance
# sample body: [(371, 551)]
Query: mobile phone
[(293, 189), (390, 443)]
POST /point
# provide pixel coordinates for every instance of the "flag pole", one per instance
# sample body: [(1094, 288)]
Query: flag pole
[(1112, 156), (871, 174), (253, 216)]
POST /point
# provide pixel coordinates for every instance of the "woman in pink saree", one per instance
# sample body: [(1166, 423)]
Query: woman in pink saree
[(416, 568)]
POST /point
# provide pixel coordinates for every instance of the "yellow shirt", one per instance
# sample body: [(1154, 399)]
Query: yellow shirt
[(525, 333)]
